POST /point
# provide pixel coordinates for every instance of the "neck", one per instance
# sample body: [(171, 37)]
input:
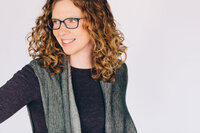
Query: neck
[(81, 61)]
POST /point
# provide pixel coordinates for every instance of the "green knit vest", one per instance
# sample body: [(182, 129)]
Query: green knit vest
[(61, 113)]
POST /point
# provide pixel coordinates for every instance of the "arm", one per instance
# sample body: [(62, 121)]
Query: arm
[(17, 92)]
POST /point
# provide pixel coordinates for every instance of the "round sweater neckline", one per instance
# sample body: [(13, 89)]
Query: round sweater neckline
[(81, 69)]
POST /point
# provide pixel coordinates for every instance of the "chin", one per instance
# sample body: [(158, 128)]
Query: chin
[(68, 52)]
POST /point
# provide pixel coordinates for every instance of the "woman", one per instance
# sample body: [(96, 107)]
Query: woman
[(77, 80)]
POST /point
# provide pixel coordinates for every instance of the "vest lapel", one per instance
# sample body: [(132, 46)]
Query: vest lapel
[(117, 117), (106, 89), (61, 114), (74, 115)]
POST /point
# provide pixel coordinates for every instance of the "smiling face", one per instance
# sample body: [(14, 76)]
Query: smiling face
[(74, 42)]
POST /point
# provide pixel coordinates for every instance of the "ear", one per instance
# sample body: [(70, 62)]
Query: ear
[(91, 26)]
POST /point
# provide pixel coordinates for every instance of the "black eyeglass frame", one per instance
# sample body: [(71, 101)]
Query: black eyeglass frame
[(63, 21)]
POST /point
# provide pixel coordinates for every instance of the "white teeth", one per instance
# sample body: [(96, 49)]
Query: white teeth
[(68, 41)]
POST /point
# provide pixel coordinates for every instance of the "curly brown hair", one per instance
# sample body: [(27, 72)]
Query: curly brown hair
[(107, 39)]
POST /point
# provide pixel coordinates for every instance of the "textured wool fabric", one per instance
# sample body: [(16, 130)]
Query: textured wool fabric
[(60, 109)]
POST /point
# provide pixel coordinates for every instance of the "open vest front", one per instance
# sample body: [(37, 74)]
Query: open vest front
[(61, 113)]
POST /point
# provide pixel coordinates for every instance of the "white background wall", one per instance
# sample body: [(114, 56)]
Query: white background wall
[(163, 39)]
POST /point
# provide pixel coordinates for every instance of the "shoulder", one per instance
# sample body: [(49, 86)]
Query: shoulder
[(122, 70), (35, 63), (39, 70), (26, 72), (122, 74), (43, 73), (37, 66)]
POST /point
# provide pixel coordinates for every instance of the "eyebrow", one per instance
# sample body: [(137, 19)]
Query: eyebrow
[(64, 18)]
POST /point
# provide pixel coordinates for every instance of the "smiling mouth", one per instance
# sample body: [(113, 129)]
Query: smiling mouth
[(65, 42)]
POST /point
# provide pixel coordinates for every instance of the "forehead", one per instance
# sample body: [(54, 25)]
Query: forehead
[(65, 9)]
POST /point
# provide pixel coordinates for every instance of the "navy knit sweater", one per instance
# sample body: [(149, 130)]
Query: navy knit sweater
[(23, 89)]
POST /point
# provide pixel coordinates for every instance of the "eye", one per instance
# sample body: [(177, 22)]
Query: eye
[(72, 20), (55, 21)]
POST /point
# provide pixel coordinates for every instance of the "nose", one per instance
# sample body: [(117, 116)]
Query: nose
[(63, 30)]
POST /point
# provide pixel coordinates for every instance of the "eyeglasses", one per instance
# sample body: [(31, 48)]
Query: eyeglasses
[(70, 23)]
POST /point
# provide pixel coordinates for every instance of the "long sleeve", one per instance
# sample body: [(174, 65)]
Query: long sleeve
[(20, 90)]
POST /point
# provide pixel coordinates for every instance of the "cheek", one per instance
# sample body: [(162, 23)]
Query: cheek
[(55, 33), (83, 37), (87, 36), (83, 34)]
